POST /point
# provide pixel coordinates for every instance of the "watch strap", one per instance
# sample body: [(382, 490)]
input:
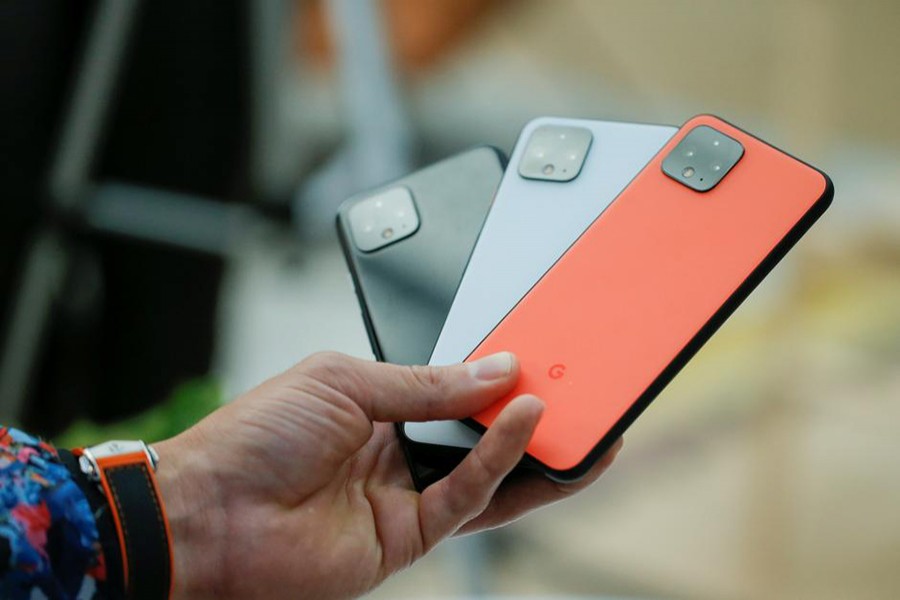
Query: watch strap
[(140, 522)]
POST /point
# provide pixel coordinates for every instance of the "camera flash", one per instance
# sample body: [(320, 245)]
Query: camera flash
[(548, 169), (688, 172), (387, 233)]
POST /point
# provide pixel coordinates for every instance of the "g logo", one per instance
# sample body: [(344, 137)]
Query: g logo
[(557, 371)]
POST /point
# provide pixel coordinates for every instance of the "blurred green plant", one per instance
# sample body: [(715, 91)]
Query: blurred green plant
[(190, 402)]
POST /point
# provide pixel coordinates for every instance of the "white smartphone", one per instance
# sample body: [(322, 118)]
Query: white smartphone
[(561, 175)]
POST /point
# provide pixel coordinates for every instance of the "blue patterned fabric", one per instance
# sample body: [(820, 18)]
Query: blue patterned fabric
[(49, 545)]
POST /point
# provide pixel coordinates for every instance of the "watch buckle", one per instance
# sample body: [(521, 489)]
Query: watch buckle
[(88, 461)]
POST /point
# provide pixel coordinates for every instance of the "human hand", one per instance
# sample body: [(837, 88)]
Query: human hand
[(299, 488)]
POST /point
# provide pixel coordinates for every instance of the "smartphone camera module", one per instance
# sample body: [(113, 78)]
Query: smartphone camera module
[(383, 219), (702, 158), (555, 153)]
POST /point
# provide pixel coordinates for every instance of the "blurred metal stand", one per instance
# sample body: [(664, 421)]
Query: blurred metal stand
[(166, 217), (112, 208), (379, 138), (272, 166), (47, 260)]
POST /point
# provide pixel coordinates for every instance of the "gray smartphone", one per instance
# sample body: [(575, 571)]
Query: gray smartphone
[(407, 244)]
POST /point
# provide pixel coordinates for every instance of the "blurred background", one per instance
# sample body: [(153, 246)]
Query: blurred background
[(172, 171)]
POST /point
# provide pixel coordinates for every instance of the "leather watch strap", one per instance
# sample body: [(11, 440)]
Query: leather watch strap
[(140, 521)]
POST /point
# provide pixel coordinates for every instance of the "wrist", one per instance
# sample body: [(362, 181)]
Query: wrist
[(195, 509)]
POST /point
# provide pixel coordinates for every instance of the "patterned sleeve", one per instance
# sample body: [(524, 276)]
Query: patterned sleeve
[(49, 545)]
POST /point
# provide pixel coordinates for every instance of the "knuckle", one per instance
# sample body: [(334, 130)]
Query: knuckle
[(455, 499), (487, 469), (463, 503), (427, 377), (321, 365), (429, 385)]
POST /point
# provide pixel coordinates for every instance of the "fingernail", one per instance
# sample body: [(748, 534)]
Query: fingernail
[(489, 368)]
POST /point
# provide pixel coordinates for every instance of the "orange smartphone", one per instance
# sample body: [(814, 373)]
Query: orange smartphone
[(642, 289)]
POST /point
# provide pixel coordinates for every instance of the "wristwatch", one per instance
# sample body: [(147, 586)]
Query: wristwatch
[(124, 472)]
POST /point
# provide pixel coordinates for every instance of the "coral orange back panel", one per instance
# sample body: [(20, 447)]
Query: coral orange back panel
[(648, 277)]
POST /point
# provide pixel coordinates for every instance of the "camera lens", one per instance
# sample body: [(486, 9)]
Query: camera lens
[(555, 153), (702, 158)]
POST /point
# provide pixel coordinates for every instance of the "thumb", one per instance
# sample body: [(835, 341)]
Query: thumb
[(390, 393)]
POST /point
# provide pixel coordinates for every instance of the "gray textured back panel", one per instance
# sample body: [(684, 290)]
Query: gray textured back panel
[(406, 288)]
